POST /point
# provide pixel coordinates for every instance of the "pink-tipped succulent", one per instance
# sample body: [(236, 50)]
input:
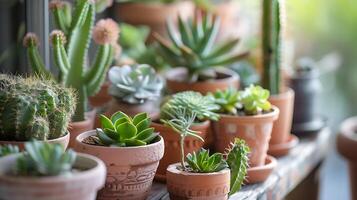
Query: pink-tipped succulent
[(106, 31), (57, 35), (30, 40), (56, 4)]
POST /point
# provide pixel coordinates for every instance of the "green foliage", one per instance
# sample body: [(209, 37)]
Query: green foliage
[(203, 107), (254, 100), (237, 160), (123, 131), (135, 84), (228, 100), (195, 47), (33, 109), (202, 162), (44, 159), (8, 149)]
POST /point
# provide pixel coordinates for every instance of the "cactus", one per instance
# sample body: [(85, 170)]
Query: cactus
[(8, 149), (135, 84), (202, 162), (33, 108), (71, 57), (271, 42)]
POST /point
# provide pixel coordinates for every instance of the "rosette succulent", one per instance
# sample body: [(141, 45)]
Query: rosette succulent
[(227, 100), (254, 100), (203, 162)]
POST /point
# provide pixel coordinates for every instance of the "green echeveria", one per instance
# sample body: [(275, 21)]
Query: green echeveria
[(254, 100), (202, 162)]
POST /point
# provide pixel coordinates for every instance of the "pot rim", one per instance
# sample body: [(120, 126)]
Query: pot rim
[(15, 142), (173, 169), (285, 94), (274, 114)]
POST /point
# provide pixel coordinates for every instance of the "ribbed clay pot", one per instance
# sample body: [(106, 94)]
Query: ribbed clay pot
[(76, 128), (175, 81), (197, 186), (130, 170), (64, 140), (80, 185), (172, 145), (347, 147), (282, 127), (153, 15), (255, 130), (102, 97)]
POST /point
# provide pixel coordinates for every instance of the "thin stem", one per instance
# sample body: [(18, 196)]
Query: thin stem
[(182, 141)]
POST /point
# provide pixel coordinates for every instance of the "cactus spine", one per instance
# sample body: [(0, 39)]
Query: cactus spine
[(271, 39), (71, 57)]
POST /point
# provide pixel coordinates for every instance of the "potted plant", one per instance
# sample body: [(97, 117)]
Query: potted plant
[(153, 13), (247, 115), (205, 176), (8, 149), (131, 151), (281, 140), (46, 172), (71, 56), (31, 108), (199, 59)]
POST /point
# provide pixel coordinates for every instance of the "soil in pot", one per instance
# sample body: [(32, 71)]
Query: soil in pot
[(76, 128), (172, 145), (81, 185), (130, 170), (197, 186), (175, 81)]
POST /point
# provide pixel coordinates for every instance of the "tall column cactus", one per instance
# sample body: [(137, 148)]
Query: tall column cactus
[(271, 38), (71, 57)]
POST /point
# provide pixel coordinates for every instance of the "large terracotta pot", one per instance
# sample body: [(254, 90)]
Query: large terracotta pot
[(347, 147), (175, 81), (255, 130), (102, 97), (130, 170), (172, 145), (282, 127), (76, 128), (197, 186), (153, 15), (64, 140), (80, 185)]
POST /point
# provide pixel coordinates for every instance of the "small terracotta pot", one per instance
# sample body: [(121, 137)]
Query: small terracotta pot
[(76, 128), (64, 140), (102, 97), (282, 127), (347, 147), (175, 81), (80, 185), (255, 130), (131, 170), (172, 145), (153, 15), (197, 186)]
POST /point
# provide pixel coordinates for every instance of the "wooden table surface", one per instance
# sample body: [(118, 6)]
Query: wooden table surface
[(291, 170)]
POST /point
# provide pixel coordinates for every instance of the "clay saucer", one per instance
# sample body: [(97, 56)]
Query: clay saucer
[(309, 128), (261, 173), (279, 150)]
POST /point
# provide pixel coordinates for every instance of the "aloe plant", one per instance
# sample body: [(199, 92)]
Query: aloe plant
[(8, 150), (195, 47), (123, 131), (203, 162), (70, 49)]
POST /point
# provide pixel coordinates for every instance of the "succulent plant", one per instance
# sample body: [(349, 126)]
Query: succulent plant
[(44, 159), (195, 48), (135, 84), (33, 109), (228, 100), (8, 149), (71, 58), (202, 162), (202, 106), (123, 131), (254, 100)]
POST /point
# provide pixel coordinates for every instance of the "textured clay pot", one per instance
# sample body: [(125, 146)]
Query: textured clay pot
[(255, 130), (259, 174), (64, 140), (76, 128), (347, 147), (172, 145), (282, 127), (80, 185), (175, 81), (153, 15), (102, 97), (130, 170), (197, 186)]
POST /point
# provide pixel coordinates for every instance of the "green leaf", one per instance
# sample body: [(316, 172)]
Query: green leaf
[(134, 142), (145, 134), (112, 134), (144, 124), (139, 117), (106, 123), (126, 130), (104, 139), (118, 115), (121, 121), (149, 139)]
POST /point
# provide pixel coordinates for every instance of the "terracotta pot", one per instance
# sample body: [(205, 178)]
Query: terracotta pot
[(347, 147), (197, 186), (172, 145), (64, 140), (80, 185), (131, 170), (282, 127), (153, 15), (175, 81), (76, 128), (102, 97), (255, 130)]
